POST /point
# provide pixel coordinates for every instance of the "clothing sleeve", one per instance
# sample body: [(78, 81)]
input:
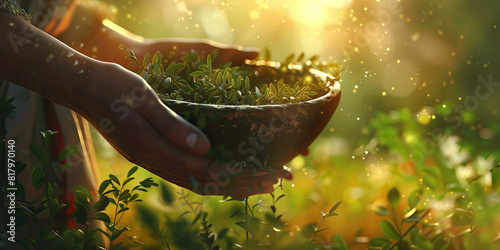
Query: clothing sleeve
[(52, 16)]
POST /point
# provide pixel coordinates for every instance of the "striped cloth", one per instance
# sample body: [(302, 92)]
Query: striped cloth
[(34, 113)]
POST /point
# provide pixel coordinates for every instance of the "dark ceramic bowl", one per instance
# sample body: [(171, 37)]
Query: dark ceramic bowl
[(264, 136)]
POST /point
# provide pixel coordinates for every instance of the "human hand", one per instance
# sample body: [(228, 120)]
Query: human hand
[(226, 53), (127, 112)]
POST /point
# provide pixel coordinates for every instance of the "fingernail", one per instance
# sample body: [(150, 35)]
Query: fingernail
[(191, 140)]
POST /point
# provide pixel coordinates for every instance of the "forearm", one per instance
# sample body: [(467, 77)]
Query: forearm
[(101, 40), (39, 62)]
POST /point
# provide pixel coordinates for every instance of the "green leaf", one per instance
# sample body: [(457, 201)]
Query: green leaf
[(332, 214), (335, 207), (166, 194), (156, 63), (381, 210), (64, 166), (101, 204), (389, 230), (404, 245), (115, 179), (68, 151), (38, 151), (267, 54), (134, 197), (102, 217), (129, 179), (222, 233), (170, 69), (272, 89), (247, 84), (378, 242), (103, 186), (289, 58), (461, 217), (249, 100), (196, 73), (300, 57), (430, 181), (38, 177), (83, 199), (244, 225), (338, 243), (279, 197), (116, 246), (123, 210), (145, 60), (393, 196), (125, 195), (414, 198), (47, 135), (410, 213), (214, 54), (132, 171), (412, 218), (83, 190), (320, 230), (209, 62)]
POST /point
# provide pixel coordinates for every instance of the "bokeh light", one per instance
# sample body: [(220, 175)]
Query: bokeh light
[(425, 72)]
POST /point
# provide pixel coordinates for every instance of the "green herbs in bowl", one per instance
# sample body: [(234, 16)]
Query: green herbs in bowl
[(260, 115)]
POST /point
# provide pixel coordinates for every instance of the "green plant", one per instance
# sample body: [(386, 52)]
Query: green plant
[(46, 205), (197, 80), (455, 182), (254, 225), (122, 199), (45, 209)]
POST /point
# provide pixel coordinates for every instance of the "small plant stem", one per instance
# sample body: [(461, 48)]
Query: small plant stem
[(398, 227), (49, 204), (427, 211), (87, 227), (187, 202), (116, 212), (44, 226), (316, 231), (246, 216), (121, 216), (117, 205)]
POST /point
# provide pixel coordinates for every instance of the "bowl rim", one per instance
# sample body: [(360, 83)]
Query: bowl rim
[(334, 91)]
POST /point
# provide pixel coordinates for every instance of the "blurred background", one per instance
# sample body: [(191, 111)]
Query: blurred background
[(412, 69)]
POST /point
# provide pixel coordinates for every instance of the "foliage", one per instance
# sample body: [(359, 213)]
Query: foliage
[(197, 80), (459, 186), (46, 209), (261, 224)]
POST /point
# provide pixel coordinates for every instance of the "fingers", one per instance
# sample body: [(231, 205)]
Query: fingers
[(285, 174), (227, 53), (220, 177), (176, 129), (236, 55)]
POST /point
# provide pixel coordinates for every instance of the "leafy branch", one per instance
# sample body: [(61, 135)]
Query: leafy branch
[(324, 215)]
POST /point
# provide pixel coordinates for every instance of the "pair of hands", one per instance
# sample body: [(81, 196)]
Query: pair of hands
[(121, 105), (137, 124)]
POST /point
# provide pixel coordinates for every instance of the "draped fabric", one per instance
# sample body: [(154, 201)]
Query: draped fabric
[(34, 113)]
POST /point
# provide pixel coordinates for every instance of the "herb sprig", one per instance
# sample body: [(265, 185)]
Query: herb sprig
[(196, 79)]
